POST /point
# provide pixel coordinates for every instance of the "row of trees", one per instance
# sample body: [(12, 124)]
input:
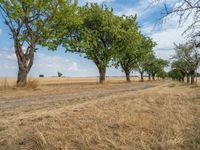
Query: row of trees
[(185, 62), (187, 57), (92, 31)]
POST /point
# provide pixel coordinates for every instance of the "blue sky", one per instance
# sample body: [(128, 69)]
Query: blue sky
[(49, 63)]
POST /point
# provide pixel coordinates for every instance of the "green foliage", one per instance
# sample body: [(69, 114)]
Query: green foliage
[(157, 65), (162, 74), (127, 43), (132, 47), (32, 23), (175, 74), (94, 37), (180, 66), (62, 26), (31, 18), (146, 56)]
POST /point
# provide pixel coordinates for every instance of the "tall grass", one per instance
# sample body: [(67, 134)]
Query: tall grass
[(32, 84), (4, 85)]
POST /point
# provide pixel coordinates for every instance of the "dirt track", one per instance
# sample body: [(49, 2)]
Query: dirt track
[(80, 95)]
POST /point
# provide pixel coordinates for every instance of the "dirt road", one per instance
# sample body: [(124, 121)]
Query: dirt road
[(74, 97)]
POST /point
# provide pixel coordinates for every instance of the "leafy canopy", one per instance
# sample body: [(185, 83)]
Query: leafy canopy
[(94, 37)]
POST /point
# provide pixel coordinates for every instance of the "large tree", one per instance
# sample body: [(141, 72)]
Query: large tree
[(94, 37), (28, 22)]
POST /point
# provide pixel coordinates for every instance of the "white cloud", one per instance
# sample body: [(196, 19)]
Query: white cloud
[(0, 31), (73, 67), (43, 64), (53, 64), (166, 35), (141, 9), (97, 1), (165, 39), (164, 54), (171, 32)]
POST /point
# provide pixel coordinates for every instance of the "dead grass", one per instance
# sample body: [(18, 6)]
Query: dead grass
[(32, 84), (160, 118), (4, 84)]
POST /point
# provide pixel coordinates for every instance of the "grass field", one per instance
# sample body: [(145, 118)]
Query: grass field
[(79, 114)]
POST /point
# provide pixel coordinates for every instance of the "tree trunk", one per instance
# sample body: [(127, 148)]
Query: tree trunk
[(153, 77), (149, 77), (127, 76), (188, 78), (25, 62), (22, 78), (142, 76), (192, 78), (102, 75)]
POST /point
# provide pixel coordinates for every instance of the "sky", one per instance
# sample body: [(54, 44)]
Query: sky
[(164, 33)]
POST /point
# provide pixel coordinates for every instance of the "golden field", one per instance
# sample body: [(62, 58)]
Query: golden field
[(79, 114)]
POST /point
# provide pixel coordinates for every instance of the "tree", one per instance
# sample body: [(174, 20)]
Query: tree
[(94, 37), (146, 63), (157, 65), (127, 43), (28, 22), (175, 74), (183, 68), (60, 74), (188, 53), (144, 60), (162, 74)]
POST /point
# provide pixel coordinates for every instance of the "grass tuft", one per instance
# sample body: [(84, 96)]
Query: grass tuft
[(32, 84)]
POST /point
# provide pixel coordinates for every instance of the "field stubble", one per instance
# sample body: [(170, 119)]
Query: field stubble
[(84, 115)]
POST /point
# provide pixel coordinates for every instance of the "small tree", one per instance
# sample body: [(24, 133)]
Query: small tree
[(157, 66), (175, 74), (60, 74), (145, 64), (183, 68), (162, 74)]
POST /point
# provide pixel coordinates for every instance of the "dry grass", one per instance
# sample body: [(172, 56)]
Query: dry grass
[(4, 84), (165, 117), (32, 84)]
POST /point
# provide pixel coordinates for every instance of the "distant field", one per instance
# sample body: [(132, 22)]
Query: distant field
[(63, 80), (78, 113)]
